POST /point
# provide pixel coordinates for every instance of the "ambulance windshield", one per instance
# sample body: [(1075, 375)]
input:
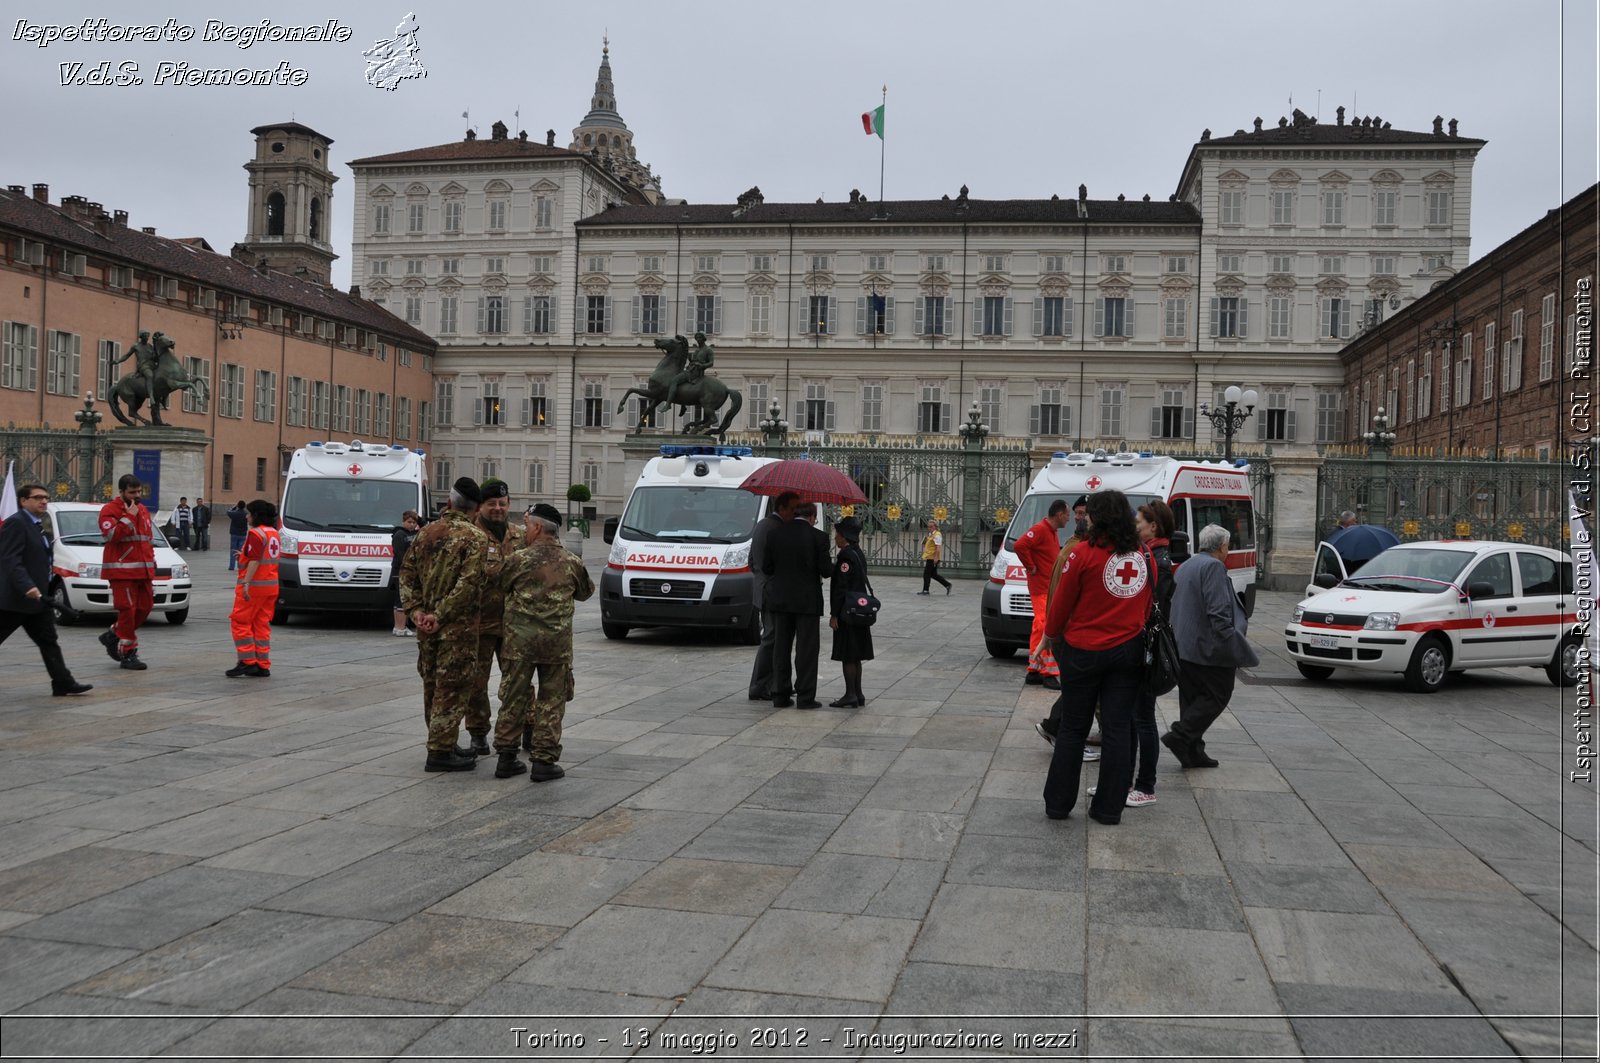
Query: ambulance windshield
[(1035, 506), (313, 504), (680, 514)]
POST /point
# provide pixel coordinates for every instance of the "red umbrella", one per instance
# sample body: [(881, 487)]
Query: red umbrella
[(811, 480)]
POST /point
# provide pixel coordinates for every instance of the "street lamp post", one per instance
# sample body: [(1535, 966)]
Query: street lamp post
[(773, 426), (1379, 440), (1230, 418)]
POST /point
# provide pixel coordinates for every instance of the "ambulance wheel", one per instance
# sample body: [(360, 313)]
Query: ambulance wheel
[(620, 631), (1563, 667), (58, 592), (1002, 650), (1314, 671), (1430, 663), (177, 616)]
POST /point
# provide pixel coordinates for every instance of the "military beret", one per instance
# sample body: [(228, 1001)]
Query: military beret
[(1083, 500), (494, 487), (546, 511), (467, 488)]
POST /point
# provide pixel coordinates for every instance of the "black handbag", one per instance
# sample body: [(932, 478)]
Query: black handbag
[(1158, 672), (860, 607)]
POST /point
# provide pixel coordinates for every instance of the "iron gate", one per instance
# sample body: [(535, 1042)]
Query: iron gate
[(74, 466), (1447, 497)]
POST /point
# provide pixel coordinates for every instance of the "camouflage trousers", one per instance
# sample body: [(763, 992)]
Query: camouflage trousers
[(489, 647), (446, 667), (542, 713)]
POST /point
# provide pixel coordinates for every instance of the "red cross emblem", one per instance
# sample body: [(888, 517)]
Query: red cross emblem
[(1127, 572), (1095, 482), (355, 470)]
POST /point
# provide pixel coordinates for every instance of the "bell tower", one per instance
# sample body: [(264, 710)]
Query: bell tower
[(606, 138), (291, 202)]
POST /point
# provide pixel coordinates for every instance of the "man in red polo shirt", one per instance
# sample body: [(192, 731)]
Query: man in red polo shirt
[(1036, 550), (129, 565)]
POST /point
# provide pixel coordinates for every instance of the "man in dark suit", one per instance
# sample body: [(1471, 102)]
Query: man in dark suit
[(761, 671), (796, 562), (24, 579)]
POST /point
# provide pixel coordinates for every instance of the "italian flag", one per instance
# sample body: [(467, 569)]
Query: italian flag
[(872, 122)]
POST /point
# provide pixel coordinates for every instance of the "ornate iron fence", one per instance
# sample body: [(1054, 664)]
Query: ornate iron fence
[(971, 490), (1446, 497), (75, 466)]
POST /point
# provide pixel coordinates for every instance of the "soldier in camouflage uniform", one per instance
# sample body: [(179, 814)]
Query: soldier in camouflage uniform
[(491, 519), (441, 581), (541, 584)]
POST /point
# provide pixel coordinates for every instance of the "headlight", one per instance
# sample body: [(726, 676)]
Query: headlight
[(736, 557), (1382, 622), (180, 571), (288, 543), (88, 571), (618, 554), (997, 571), (1299, 611)]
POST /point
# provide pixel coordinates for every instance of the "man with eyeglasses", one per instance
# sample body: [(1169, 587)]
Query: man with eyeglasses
[(24, 578)]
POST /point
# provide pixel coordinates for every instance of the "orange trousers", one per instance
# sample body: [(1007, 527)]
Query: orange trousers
[(1041, 658), (252, 624)]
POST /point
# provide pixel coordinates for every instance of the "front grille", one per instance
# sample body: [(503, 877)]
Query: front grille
[(361, 577), (163, 573), (1332, 655), (1313, 616), (1020, 604), (667, 588)]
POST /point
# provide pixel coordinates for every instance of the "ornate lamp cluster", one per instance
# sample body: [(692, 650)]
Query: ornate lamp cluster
[(1379, 438), (87, 417), (1230, 418), (973, 429), (773, 425)]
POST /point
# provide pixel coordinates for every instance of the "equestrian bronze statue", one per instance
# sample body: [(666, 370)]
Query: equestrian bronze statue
[(680, 379), (156, 375)]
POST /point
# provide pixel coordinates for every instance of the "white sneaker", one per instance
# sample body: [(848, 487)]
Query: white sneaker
[(1090, 791), (1091, 753), (408, 633), (399, 632), (1138, 798)]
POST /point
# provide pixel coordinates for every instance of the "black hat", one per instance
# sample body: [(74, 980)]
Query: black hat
[(546, 511), (850, 528), (494, 487), (467, 488), (1083, 500)]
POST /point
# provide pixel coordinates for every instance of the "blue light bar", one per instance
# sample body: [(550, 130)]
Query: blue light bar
[(688, 451)]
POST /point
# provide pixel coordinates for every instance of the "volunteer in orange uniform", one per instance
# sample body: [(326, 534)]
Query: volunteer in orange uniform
[(1037, 549), (129, 565), (256, 594)]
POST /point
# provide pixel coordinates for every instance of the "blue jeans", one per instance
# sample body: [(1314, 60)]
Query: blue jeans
[(235, 544), (183, 537), (1109, 678)]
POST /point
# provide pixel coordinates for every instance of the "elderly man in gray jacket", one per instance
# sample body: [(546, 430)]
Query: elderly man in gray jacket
[(1209, 625)]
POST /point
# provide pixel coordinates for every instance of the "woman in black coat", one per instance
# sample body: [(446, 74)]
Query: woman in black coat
[(851, 645)]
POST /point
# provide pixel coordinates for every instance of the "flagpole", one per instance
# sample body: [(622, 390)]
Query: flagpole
[(882, 145)]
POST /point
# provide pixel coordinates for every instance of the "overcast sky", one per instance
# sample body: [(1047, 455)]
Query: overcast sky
[(1014, 99)]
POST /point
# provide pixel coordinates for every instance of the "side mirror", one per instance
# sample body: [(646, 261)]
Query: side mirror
[(1178, 547), (996, 541), (609, 529), (1480, 590), (1326, 580)]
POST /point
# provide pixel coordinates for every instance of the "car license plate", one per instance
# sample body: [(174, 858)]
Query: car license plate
[(1324, 642)]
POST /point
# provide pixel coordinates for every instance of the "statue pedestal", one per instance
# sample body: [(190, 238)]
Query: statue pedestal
[(170, 461)]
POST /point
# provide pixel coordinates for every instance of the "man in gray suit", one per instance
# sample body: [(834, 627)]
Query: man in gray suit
[(761, 671), (1209, 625), (796, 562)]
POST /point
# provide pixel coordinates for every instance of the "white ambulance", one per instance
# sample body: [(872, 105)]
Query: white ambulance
[(341, 505), (680, 555), (1199, 492)]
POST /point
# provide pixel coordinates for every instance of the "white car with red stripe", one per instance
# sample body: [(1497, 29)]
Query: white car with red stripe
[(79, 550), (1428, 609), (1199, 492)]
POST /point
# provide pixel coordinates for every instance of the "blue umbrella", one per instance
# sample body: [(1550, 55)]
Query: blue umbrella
[(1362, 542)]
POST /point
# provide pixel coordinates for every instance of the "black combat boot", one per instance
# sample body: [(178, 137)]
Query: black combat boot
[(480, 746), (132, 663), (509, 765), (449, 761), (544, 771)]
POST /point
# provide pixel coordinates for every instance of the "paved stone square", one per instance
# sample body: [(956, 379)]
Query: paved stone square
[(211, 868)]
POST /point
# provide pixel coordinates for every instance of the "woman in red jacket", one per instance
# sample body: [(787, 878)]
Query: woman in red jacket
[(1095, 621)]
